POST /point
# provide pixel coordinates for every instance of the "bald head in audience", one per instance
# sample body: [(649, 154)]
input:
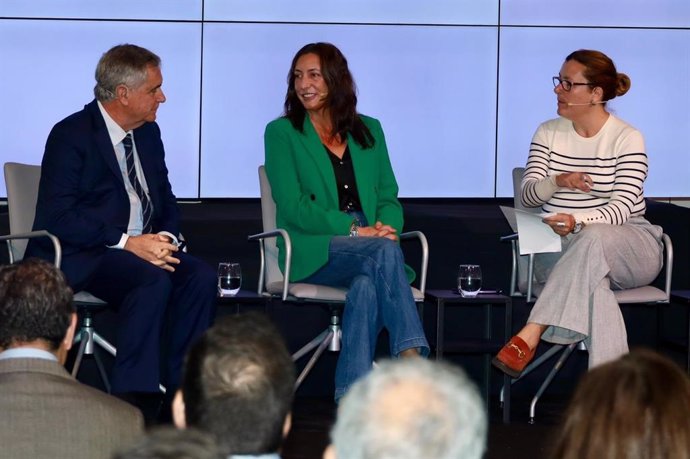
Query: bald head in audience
[(410, 408)]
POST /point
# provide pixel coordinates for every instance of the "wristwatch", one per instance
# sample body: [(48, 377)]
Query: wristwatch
[(354, 229), (578, 227)]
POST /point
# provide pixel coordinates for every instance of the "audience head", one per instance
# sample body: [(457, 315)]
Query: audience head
[(601, 72), (410, 408), (635, 407), (171, 443), (35, 306), (238, 385), (122, 65)]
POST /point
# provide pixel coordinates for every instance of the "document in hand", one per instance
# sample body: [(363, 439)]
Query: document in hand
[(534, 235)]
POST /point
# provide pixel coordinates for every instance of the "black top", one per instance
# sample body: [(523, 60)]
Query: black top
[(348, 196)]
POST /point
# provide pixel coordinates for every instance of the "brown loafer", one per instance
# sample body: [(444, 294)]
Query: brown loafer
[(513, 357)]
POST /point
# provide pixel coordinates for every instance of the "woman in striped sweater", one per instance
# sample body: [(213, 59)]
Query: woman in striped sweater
[(587, 169)]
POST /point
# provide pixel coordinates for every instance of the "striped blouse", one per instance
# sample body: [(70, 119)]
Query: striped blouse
[(614, 158)]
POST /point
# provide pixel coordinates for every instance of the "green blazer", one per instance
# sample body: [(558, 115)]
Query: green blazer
[(304, 190)]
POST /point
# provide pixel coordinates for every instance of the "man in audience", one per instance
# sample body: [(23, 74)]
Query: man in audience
[(44, 412), (170, 443), (104, 192), (238, 385), (410, 408)]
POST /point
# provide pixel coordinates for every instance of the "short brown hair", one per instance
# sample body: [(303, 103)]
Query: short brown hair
[(35, 303)]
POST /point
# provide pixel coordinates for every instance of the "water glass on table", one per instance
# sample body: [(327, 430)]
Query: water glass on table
[(469, 280), (229, 279)]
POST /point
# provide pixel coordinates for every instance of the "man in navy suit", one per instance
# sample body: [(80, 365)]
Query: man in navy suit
[(104, 192)]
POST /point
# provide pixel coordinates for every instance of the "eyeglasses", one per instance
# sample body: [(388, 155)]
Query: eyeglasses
[(565, 84)]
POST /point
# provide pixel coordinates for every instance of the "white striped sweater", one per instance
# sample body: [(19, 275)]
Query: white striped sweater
[(615, 158)]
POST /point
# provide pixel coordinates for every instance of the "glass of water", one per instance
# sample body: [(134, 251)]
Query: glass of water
[(469, 280), (229, 279)]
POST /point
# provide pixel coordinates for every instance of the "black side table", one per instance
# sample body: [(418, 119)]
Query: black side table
[(242, 297), (487, 345)]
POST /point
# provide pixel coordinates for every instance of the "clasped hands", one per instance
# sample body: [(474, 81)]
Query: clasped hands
[(378, 230), (154, 248)]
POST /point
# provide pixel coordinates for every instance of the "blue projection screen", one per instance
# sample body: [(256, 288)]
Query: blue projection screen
[(459, 86)]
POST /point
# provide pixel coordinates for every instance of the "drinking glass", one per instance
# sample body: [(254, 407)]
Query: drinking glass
[(469, 280), (229, 278)]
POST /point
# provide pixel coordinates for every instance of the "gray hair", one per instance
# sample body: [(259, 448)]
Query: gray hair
[(122, 64), (411, 408)]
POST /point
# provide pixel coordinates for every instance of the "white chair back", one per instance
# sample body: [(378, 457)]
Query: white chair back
[(523, 261), (272, 273), (21, 182)]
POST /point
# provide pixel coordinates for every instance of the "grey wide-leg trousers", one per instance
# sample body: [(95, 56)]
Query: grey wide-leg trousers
[(574, 287)]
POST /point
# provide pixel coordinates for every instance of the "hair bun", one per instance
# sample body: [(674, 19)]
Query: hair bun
[(623, 84)]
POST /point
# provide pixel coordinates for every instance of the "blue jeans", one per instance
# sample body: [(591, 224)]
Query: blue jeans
[(379, 296)]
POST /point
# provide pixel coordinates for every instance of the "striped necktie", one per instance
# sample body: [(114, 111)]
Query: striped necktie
[(146, 208)]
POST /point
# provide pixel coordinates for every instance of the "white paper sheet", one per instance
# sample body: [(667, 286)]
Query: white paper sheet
[(534, 235)]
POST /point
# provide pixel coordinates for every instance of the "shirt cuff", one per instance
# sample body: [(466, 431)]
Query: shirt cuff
[(173, 239), (120, 245)]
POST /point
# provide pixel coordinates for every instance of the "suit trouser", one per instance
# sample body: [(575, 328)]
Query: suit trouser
[(159, 315), (575, 286)]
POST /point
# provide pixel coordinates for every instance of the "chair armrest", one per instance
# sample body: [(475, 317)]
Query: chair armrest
[(515, 268), (510, 237), (261, 237), (36, 234), (425, 254), (668, 246)]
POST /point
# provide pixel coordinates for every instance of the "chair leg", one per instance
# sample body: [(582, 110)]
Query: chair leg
[(98, 339), (328, 339), (80, 353), (101, 370), (561, 360), (533, 366), (87, 339)]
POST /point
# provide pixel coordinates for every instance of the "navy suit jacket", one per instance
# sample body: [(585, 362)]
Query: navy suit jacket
[(82, 198)]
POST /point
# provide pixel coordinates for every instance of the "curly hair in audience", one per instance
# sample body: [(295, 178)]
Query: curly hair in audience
[(35, 303)]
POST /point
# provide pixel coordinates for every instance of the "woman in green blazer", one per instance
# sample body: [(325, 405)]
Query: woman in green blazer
[(336, 195)]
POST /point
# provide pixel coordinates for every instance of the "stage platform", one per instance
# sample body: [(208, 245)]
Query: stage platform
[(458, 231)]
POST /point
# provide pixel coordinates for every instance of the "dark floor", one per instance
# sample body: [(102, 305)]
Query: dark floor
[(313, 417)]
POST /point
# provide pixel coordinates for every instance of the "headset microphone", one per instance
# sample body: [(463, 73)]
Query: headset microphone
[(588, 103)]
